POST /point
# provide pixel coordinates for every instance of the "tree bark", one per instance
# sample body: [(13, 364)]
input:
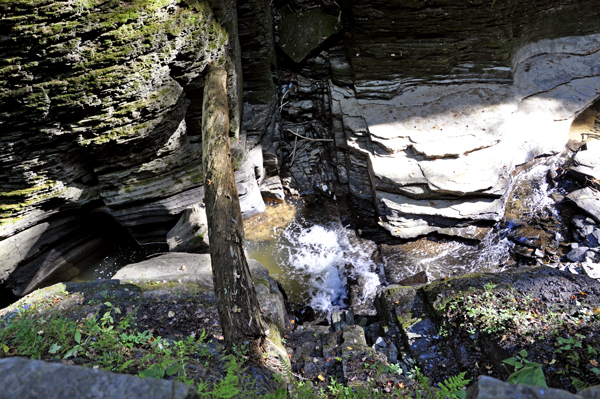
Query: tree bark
[(238, 307)]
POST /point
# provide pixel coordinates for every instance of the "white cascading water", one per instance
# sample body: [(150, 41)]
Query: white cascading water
[(320, 257), (315, 259), (453, 258)]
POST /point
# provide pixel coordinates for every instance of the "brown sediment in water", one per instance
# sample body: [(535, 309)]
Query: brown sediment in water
[(264, 227)]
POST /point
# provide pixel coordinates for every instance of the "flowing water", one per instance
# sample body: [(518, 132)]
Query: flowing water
[(315, 257), (526, 201), (324, 264), (312, 254)]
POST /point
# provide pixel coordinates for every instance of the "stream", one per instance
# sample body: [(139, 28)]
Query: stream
[(321, 263)]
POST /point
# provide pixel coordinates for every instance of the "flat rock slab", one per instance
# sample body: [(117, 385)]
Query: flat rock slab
[(304, 31), (587, 199), (32, 379), (197, 268), (176, 266), (491, 388), (171, 267)]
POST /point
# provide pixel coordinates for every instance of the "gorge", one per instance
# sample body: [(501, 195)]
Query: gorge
[(451, 137)]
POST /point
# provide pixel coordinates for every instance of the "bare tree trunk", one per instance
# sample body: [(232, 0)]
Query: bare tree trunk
[(236, 297)]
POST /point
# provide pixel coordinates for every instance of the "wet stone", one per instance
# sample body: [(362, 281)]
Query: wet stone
[(585, 230), (588, 200)]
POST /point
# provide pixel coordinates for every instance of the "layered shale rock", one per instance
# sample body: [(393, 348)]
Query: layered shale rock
[(100, 108), (441, 157), (433, 106), (393, 45)]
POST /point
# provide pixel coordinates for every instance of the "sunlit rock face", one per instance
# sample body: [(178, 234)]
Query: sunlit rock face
[(440, 157)]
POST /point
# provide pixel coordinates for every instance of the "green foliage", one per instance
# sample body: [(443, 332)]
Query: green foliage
[(571, 351), (115, 345), (526, 372), (452, 387), (230, 385), (578, 384)]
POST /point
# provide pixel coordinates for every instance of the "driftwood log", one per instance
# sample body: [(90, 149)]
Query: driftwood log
[(237, 304)]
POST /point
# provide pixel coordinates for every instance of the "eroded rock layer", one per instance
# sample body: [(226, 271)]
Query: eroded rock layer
[(100, 108)]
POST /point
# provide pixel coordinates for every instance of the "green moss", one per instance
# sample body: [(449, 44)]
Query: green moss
[(198, 239), (28, 191), (34, 195), (259, 281)]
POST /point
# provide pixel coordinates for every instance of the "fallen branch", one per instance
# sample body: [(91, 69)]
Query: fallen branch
[(307, 138)]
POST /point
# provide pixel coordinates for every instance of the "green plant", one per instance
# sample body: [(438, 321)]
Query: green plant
[(230, 385), (489, 286), (394, 368), (526, 372), (452, 387)]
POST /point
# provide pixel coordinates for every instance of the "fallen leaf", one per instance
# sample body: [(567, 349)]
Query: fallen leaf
[(593, 362)]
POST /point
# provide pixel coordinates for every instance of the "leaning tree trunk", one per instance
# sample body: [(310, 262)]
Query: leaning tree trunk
[(236, 297)]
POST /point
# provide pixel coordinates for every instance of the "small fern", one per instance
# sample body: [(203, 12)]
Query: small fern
[(229, 387), (285, 364), (579, 384), (452, 387)]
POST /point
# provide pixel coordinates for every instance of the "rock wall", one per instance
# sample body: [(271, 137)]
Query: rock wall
[(419, 111), (392, 45), (432, 106), (100, 108)]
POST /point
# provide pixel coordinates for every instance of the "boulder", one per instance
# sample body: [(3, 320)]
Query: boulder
[(586, 163), (491, 388), (197, 269), (28, 379), (190, 234), (588, 200), (304, 31), (578, 254)]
